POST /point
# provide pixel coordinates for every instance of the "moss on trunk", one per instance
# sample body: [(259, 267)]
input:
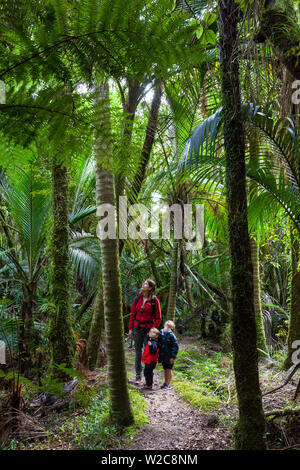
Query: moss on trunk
[(280, 27), (294, 326), (62, 337), (96, 333), (250, 430)]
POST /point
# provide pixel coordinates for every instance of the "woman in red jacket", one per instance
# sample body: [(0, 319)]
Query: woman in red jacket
[(145, 314)]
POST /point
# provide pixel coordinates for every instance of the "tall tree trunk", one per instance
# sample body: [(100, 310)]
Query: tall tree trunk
[(260, 330), (62, 337), (96, 333), (279, 26), (149, 139), (130, 103), (288, 108), (173, 282), (250, 430), (294, 325), (186, 281), (27, 337), (152, 263), (114, 334), (147, 147)]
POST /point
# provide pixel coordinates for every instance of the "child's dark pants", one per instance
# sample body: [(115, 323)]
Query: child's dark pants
[(148, 373)]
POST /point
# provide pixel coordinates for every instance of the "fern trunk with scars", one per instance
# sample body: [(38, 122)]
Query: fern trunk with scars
[(62, 337), (173, 282), (114, 335), (250, 430)]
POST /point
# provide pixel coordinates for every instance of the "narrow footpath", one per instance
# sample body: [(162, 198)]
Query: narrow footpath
[(175, 425)]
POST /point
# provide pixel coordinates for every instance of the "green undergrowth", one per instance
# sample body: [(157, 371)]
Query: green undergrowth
[(202, 381), (95, 430)]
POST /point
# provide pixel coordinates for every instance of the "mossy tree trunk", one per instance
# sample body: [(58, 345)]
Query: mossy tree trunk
[(288, 108), (294, 326), (250, 430), (114, 335), (62, 337), (279, 25), (96, 332), (173, 282)]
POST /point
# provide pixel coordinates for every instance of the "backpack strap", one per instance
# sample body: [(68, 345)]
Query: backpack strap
[(153, 303), (135, 303)]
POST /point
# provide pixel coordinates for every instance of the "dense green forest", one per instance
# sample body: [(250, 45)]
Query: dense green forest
[(149, 140)]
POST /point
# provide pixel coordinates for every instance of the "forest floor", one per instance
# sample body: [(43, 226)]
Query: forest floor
[(175, 425), (198, 413)]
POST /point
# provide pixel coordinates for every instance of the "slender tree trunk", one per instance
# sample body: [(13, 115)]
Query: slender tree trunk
[(147, 147), (250, 430), (294, 326), (279, 26), (62, 337), (173, 282), (130, 103), (114, 334), (186, 281), (149, 139), (288, 108), (152, 263), (96, 333), (260, 330), (27, 338)]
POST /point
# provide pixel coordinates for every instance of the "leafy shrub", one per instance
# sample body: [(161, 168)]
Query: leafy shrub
[(202, 380), (95, 430)]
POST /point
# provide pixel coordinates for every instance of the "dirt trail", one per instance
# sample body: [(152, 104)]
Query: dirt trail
[(175, 425)]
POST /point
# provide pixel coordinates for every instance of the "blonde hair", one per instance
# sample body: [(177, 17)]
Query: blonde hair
[(170, 324), (155, 330)]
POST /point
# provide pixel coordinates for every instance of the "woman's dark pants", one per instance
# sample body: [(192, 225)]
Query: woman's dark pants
[(140, 339)]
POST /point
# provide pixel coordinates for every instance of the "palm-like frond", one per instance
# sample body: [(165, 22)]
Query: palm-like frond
[(29, 205), (86, 257), (277, 140)]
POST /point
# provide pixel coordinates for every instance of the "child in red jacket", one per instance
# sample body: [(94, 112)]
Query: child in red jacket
[(150, 357)]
